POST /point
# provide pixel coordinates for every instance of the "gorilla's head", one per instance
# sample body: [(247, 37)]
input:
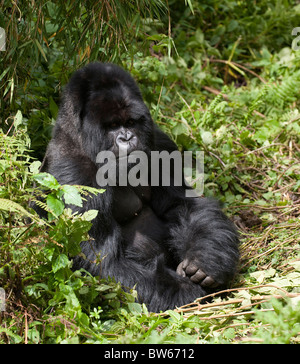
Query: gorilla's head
[(105, 107)]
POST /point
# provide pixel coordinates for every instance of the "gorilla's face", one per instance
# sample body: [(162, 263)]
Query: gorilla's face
[(116, 120)]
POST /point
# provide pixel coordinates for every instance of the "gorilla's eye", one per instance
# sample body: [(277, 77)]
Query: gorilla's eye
[(129, 122), (114, 125)]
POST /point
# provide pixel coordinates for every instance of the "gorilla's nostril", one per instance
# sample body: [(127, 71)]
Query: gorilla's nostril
[(125, 137)]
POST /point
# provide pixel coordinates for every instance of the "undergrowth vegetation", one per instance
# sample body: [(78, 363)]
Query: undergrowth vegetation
[(218, 76)]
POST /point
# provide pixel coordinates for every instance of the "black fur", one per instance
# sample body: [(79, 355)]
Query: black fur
[(142, 234)]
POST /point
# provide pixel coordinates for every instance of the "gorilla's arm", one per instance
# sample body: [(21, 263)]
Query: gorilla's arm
[(203, 241), (74, 168)]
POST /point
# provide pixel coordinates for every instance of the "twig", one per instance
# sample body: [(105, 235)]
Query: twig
[(26, 329), (230, 63), (197, 306), (233, 314), (292, 165), (218, 158), (265, 147)]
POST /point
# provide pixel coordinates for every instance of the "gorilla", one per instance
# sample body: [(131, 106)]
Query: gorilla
[(172, 248)]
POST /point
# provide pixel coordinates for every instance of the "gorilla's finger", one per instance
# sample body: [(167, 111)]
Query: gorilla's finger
[(180, 271), (185, 263), (198, 276), (191, 269), (208, 282)]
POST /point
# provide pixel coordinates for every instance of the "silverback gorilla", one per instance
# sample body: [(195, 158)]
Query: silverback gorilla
[(172, 247)]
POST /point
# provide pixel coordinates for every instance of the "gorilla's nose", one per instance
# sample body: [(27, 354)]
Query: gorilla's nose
[(126, 141), (124, 138)]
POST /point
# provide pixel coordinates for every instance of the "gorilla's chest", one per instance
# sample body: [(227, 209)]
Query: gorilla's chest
[(128, 203), (142, 231)]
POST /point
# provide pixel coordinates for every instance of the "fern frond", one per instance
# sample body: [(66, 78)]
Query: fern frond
[(257, 102), (288, 90), (42, 205), (86, 190), (11, 206)]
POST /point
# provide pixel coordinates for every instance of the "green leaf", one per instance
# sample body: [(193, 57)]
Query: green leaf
[(135, 308), (61, 261), (157, 37), (47, 180), (18, 119), (34, 167), (71, 195), (179, 129), (56, 205), (41, 50), (16, 338), (72, 303), (111, 295), (229, 334), (207, 137), (233, 24), (53, 108), (296, 265), (90, 215), (175, 315)]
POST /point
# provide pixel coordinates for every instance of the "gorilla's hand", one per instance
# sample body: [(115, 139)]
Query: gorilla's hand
[(190, 267)]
